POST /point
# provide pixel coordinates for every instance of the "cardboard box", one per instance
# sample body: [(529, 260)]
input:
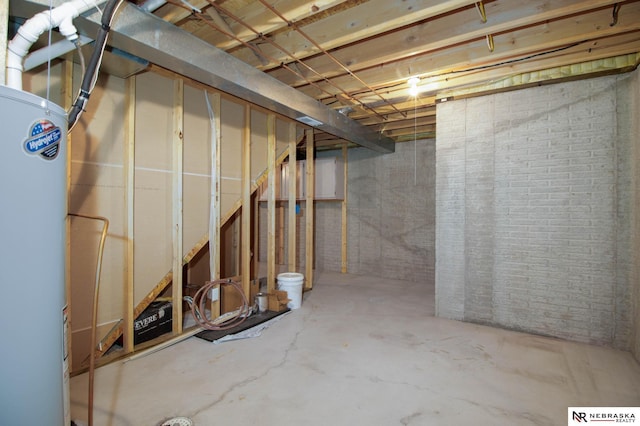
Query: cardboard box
[(231, 300), (277, 301), (154, 321)]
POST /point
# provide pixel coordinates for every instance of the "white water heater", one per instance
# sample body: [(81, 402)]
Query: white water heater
[(33, 208)]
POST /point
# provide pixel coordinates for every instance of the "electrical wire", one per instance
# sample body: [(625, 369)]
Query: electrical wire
[(91, 75), (78, 45)]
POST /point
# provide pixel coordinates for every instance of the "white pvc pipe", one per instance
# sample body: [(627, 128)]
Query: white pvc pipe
[(57, 49), (60, 17)]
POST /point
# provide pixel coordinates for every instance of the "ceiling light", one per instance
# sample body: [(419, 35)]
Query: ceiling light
[(413, 86)]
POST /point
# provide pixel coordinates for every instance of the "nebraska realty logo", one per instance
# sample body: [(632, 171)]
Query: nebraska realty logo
[(599, 415)]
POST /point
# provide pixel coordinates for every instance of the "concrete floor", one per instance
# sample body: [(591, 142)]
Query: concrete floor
[(363, 351)]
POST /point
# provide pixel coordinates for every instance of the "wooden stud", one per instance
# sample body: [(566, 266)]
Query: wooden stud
[(245, 246), (178, 141), (114, 335), (254, 186), (344, 213), (280, 260), (293, 191), (271, 203), (129, 178), (214, 223), (255, 249), (4, 22), (309, 211), (67, 101)]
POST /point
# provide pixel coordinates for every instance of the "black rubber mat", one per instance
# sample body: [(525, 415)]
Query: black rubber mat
[(253, 320)]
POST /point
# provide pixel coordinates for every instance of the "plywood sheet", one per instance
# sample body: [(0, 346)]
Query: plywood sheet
[(154, 117), (153, 209), (97, 189), (197, 168), (258, 144), (36, 82), (232, 117)]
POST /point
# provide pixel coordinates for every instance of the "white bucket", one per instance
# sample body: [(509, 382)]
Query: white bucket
[(291, 282)]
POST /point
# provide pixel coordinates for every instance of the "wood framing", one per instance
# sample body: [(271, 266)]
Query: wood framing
[(111, 338), (344, 214), (293, 191), (129, 178), (280, 260), (169, 170), (271, 203), (245, 246), (67, 102), (309, 213), (178, 124), (4, 22), (214, 206)]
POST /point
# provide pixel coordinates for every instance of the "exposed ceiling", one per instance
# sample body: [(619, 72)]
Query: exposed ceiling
[(356, 56)]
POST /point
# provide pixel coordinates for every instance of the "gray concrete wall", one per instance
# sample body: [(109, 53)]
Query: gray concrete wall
[(634, 137), (533, 211), (390, 215)]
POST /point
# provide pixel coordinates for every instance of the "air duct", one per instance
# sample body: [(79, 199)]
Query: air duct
[(147, 36)]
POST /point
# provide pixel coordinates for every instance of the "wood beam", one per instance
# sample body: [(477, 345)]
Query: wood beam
[(214, 201), (293, 191), (253, 15), (67, 101), (177, 187), (271, 203), (344, 233), (440, 33), (4, 25), (359, 22), (310, 190), (441, 68), (245, 246), (129, 178)]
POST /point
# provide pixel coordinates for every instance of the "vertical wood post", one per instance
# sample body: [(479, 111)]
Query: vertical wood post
[(178, 141), (4, 25), (67, 102), (344, 213), (293, 190), (245, 245), (129, 178), (214, 206), (309, 210), (271, 203)]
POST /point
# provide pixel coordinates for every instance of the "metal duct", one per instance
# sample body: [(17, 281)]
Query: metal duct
[(153, 39)]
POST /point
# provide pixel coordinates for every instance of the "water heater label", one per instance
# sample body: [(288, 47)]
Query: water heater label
[(44, 139)]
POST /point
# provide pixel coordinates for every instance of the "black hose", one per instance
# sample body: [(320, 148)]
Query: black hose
[(91, 74)]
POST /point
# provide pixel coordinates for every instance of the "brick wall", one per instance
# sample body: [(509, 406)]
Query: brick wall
[(633, 113), (533, 211)]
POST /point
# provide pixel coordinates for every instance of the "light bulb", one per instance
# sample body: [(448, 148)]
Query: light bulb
[(413, 86)]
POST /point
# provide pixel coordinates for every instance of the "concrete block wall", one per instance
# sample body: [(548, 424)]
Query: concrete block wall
[(533, 212), (633, 113), (390, 216)]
